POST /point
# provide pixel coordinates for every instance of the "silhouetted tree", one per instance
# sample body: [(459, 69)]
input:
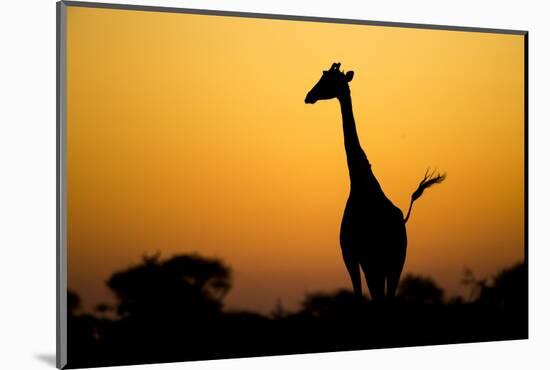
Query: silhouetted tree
[(182, 285), (476, 286), (82, 338), (73, 302), (508, 290)]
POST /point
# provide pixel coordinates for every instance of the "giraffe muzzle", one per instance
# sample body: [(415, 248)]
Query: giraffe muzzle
[(310, 99)]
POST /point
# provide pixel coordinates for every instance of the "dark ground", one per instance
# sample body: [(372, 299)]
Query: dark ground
[(172, 311)]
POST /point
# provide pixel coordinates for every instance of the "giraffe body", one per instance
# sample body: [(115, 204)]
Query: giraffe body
[(373, 238)]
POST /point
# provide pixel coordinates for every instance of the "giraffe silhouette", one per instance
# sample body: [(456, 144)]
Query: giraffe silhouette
[(373, 236)]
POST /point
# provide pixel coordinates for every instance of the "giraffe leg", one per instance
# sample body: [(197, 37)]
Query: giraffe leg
[(393, 283), (397, 260), (354, 273), (394, 273), (376, 282)]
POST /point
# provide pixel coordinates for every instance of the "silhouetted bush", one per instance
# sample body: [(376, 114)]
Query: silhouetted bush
[(419, 290), (337, 304)]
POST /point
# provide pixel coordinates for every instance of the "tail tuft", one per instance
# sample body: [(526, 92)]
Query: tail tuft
[(428, 180)]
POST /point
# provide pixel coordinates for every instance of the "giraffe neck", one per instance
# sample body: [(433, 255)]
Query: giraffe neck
[(351, 140), (362, 180)]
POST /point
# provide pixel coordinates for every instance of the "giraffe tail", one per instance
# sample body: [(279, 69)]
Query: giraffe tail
[(428, 180)]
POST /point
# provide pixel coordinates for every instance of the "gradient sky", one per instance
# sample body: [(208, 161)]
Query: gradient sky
[(189, 133)]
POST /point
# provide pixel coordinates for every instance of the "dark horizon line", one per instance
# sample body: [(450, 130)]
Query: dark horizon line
[(447, 294), (227, 13)]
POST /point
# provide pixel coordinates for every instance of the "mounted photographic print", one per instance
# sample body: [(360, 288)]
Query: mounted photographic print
[(235, 185)]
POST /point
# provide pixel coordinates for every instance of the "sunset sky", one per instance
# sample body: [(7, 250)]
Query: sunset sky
[(189, 133)]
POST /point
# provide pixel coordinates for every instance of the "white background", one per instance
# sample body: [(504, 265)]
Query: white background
[(27, 182)]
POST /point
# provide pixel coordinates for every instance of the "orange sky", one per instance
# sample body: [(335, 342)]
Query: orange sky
[(189, 133)]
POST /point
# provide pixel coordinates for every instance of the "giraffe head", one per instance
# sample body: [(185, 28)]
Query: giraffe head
[(333, 84)]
